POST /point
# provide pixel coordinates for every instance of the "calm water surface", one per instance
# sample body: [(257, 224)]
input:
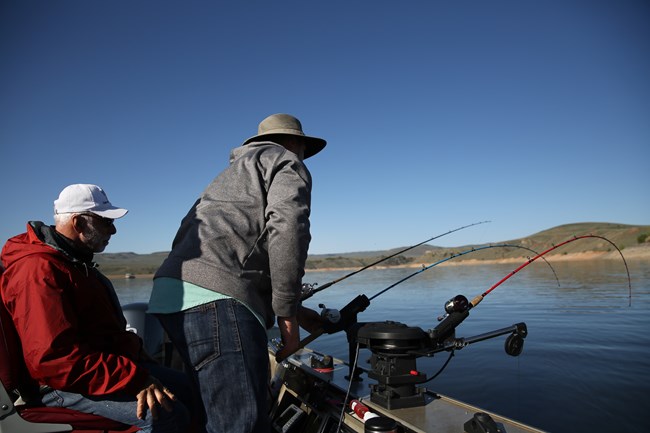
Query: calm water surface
[(586, 362)]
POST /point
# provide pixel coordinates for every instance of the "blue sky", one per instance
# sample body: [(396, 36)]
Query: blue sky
[(438, 114)]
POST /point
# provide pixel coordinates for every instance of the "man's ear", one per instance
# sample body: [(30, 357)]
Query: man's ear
[(79, 223)]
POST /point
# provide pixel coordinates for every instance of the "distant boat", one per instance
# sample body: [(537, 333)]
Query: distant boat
[(129, 276)]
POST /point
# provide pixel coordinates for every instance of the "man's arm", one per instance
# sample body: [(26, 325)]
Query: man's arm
[(287, 223), (290, 334), (307, 319)]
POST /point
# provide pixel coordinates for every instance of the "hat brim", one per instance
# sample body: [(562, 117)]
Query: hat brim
[(112, 213), (313, 144)]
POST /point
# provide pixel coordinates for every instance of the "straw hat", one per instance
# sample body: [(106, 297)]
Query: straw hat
[(286, 124)]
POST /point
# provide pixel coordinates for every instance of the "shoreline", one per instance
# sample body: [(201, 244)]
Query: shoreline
[(630, 254), (476, 262)]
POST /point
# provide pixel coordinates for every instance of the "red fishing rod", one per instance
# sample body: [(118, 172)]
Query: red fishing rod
[(480, 297)]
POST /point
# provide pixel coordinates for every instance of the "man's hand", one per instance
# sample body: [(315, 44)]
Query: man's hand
[(154, 394), (290, 334)]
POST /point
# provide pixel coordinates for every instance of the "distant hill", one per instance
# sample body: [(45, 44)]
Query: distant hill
[(131, 263), (624, 236)]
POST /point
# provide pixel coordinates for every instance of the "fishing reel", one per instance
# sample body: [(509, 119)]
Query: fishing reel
[(344, 319), (307, 290), (395, 348), (457, 304), (457, 310), (329, 315)]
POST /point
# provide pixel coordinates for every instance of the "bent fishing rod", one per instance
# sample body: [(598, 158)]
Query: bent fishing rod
[(311, 290), (457, 310), (480, 297)]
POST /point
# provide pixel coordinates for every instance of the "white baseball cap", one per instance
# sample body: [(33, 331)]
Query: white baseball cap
[(83, 197)]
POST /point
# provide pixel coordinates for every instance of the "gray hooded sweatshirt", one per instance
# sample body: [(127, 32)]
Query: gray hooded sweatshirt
[(247, 236)]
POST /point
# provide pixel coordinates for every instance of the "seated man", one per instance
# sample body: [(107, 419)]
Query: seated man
[(71, 325)]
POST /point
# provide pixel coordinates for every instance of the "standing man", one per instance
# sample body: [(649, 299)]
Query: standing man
[(236, 263), (70, 323)]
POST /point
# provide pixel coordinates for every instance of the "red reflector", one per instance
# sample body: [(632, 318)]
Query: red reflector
[(414, 373)]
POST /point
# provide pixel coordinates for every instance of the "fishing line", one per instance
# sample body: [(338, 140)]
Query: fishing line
[(347, 394), (480, 297), (312, 291), (473, 250)]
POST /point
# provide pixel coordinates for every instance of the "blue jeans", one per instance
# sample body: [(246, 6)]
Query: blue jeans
[(225, 348), (123, 408)]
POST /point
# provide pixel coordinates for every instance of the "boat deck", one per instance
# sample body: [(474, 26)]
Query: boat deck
[(310, 401)]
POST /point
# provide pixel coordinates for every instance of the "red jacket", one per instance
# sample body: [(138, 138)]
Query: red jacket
[(68, 318)]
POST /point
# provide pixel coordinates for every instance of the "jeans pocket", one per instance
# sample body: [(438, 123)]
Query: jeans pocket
[(202, 334), (57, 398)]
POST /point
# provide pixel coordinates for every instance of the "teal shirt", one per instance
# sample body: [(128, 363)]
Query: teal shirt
[(165, 297)]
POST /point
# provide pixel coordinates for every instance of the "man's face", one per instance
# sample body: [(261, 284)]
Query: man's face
[(295, 145), (96, 232)]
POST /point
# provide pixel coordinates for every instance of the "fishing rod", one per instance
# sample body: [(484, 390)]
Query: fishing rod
[(480, 297), (457, 309), (342, 319), (311, 290), (442, 337), (424, 268)]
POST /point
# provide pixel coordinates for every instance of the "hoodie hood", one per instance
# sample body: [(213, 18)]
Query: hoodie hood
[(41, 239)]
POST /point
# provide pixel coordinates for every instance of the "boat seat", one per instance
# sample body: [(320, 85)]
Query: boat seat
[(11, 421), (16, 418)]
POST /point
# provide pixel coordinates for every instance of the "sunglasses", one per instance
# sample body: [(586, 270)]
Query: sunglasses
[(105, 221)]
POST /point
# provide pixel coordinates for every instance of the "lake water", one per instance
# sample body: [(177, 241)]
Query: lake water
[(586, 361)]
